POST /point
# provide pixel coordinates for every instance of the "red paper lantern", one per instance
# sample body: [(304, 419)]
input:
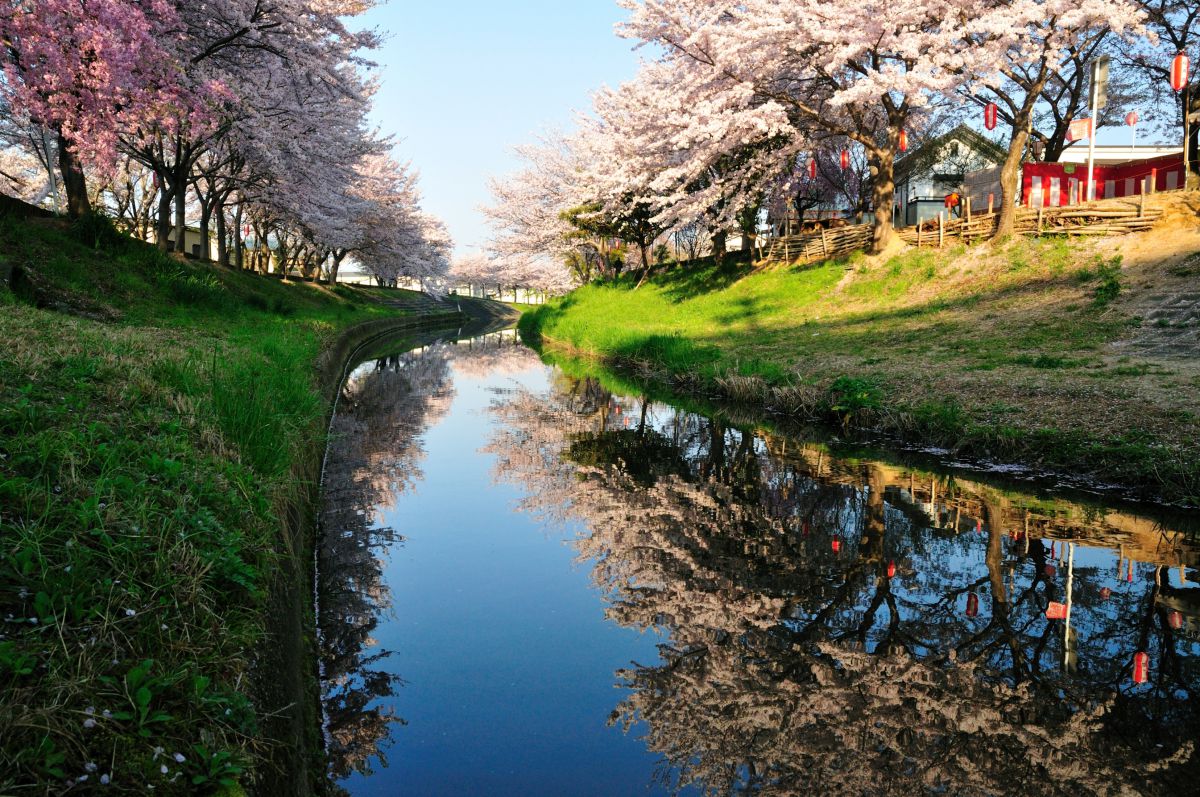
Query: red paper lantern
[(1175, 620), (892, 569), (1179, 72), (845, 159), (812, 167), (991, 116), (1056, 611), (837, 546), (1131, 118), (904, 141), (246, 231), (972, 605), (1141, 667)]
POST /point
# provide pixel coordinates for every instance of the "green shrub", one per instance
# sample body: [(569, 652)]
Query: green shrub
[(97, 231), (850, 397), (1110, 284)]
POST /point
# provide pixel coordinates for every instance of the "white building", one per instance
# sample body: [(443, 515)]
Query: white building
[(939, 167), (193, 242)]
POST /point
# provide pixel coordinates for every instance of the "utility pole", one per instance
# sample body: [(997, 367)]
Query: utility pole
[(1187, 132), (1099, 97)]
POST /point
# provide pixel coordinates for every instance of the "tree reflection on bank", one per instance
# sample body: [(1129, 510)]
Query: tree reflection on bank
[(847, 627), (374, 456)]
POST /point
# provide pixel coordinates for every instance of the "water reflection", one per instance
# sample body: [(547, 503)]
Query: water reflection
[(374, 457), (848, 626)]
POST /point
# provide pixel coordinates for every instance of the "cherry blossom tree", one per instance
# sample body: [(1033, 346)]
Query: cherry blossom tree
[(84, 70), (763, 81), (528, 215), (1037, 42), (1174, 26)]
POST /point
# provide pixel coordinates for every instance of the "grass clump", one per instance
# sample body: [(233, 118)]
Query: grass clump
[(151, 414)]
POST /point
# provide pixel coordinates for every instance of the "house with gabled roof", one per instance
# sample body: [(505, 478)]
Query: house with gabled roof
[(941, 166)]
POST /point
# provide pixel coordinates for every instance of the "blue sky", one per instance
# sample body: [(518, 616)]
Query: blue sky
[(466, 80)]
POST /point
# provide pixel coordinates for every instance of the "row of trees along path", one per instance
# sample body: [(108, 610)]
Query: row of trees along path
[(251, 116)]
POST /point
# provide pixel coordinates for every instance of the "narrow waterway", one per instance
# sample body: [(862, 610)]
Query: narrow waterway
[(531, 585)]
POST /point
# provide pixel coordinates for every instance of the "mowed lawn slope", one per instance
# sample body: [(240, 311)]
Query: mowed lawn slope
[(151, 412), (1042, 350)]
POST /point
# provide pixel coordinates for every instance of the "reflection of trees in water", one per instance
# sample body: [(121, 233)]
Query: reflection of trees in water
[(793, 667), (374, 455), (495, 354)]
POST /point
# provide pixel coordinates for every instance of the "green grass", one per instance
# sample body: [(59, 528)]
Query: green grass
[(939, 337), (147, 441)]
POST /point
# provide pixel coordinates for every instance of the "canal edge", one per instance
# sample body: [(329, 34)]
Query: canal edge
[(287, 677)]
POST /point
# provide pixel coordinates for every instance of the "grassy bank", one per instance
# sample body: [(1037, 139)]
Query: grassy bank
[(151, 413), (1037, 350)]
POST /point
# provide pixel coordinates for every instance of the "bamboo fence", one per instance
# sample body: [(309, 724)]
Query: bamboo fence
[(1102, 217), (812, 247)]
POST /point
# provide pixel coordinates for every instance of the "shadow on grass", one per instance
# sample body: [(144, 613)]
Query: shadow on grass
[(689, 280)]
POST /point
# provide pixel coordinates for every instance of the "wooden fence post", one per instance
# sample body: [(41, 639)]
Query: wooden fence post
[(824, 245), (941, 229), (991, 202), (1039, 227), (918, 232)]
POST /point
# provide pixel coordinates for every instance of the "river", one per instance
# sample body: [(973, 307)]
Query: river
[(529, 584)]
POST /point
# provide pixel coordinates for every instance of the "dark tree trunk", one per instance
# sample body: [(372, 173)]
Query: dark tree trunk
[(74, 184), (719, 240), (281, 254), (238, 248), (644, 250), (162, 231), (338, 255), (205, 223), (222, 242), (1012, 162), (180, 214), (1008, 183)]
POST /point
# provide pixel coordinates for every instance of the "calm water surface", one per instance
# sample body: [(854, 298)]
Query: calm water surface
[(532, 586)]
